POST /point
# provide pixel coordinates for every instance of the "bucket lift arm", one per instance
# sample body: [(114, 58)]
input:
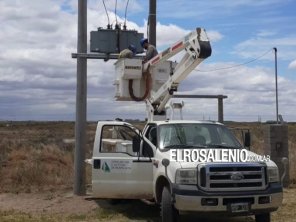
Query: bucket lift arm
[(197, 48)]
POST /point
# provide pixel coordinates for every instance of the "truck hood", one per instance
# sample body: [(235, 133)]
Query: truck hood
[(255, 158)]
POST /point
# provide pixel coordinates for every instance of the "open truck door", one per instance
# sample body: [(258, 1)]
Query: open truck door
[(118, 168)]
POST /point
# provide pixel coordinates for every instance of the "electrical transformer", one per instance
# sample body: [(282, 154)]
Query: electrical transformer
[(114, 40)]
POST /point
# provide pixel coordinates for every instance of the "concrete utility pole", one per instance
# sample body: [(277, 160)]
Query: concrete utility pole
[(220, 109), (152, 22), (276, 86), (81, 91), (81, 97)]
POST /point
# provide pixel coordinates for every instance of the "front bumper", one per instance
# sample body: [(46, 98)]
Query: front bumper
[(190, 198)]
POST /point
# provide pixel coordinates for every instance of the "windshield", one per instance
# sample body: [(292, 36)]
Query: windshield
[(196, 135)]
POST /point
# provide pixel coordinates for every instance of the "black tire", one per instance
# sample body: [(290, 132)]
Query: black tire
[(114, 201), (263, 217), (168, 211)]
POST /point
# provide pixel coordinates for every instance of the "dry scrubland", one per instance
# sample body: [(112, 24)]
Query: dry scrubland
[(36, 176)]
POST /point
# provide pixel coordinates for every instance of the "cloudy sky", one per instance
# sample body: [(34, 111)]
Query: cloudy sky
[(38, 75)]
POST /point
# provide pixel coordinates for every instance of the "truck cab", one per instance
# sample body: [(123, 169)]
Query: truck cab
[(131, 164)]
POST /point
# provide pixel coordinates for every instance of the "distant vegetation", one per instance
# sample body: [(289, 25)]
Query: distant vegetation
[(38, 156)]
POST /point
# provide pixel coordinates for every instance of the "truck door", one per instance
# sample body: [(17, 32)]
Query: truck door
[(117, 171)]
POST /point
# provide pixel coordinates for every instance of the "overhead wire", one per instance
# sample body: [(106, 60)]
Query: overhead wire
[(148, 24), (115, 11), (234, 66), (106, 12), (125, 13)]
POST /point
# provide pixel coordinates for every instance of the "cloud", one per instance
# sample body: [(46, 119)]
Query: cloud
[(214, 36), (132, 7), (255, 47), (252, 3), (164, 34), (204, 10), (170, 33), (266, 33), (38, 75), (250, 91), (292, 65)]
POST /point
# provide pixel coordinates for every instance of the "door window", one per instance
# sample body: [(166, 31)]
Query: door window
[(117, 139)]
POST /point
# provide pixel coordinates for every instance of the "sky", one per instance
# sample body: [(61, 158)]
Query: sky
[(38, 75)]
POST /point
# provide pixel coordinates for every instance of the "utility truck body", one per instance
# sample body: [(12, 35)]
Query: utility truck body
[(179, 164), (130, 164)]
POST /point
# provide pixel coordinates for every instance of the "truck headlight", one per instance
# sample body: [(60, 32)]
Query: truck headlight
[(273, 174), (186, 176)]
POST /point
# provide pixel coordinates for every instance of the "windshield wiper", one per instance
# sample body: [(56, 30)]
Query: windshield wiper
[(178, 146), (212, 145), (184, 146), (199, 146)]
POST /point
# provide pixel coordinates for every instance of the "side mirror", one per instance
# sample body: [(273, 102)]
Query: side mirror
[(136, 144), (247, 139)]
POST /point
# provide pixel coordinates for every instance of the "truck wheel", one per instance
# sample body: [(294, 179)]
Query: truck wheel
[(114, 201), (168, 211), (263, 217)]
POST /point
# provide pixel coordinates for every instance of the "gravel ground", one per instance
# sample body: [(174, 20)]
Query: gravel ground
[(64, 206)]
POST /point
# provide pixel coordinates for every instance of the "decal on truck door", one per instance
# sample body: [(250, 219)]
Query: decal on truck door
[(105, 167), (117, 166)]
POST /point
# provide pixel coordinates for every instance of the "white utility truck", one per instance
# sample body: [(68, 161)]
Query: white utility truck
[(131, 164)]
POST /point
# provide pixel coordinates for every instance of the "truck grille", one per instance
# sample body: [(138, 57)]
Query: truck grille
[(232, 177)]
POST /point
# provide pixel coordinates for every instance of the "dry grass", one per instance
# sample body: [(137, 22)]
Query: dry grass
[(37, 156)]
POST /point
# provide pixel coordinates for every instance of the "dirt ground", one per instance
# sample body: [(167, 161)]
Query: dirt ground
[(64, 206), (36, 178), (36, 203)]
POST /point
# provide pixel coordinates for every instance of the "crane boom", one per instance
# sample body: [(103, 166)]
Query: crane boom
[(197, 48), (155, 81)]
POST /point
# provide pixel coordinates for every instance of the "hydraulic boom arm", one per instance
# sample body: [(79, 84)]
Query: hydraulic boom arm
[(197, 48)]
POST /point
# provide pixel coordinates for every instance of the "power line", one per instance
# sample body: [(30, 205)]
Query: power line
[(148, 23), (125, 13), (106, 12), (234, 66), (147, 31), (115, 11)]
